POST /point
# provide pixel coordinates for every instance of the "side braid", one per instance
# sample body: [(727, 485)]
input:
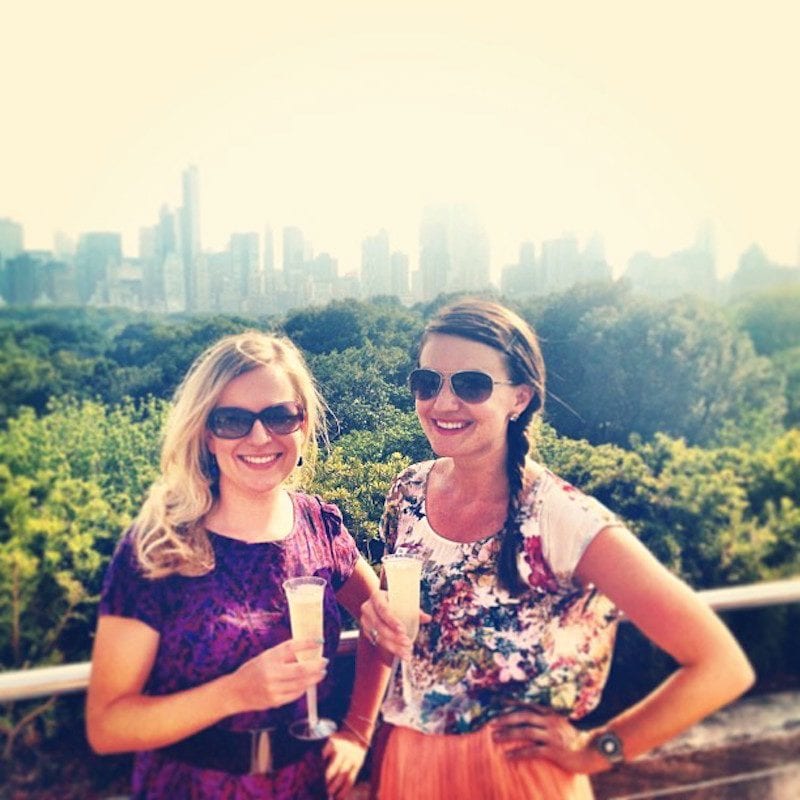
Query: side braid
[(511, 543), (498, 327)]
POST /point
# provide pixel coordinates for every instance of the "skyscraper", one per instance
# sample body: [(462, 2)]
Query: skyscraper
[(190, 233), (11, 239), (246, 268), (454, 251), (297, 253), (399, 282), (376, 264), (434, 251), (99, 253)]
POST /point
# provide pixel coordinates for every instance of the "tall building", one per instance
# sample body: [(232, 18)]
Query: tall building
[(520, 279), (434, 251), (35, 278), (561, 264), (297, 253), (164, 284), (63, 247), (190, 234), (469, 251), (98, 255), (376, 264), (399, 277), (246, 266), (688, 271), (454, 251), (11, 239), (323, 272)]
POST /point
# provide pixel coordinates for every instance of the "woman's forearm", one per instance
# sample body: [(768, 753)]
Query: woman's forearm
[(682, 700), (144, 722), (372, 673)]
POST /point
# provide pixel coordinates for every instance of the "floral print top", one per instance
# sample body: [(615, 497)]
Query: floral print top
[(485, 650)]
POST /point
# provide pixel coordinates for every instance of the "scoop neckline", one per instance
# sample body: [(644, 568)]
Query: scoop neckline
[(292, 531), (534, 489)]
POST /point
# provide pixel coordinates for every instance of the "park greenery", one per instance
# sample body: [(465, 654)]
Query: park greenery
[(683, 417)]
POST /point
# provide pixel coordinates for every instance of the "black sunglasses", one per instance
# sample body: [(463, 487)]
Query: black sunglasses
[(470, 385), (234, 423)]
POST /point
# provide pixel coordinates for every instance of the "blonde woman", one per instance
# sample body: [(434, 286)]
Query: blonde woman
[(522, 578), (193, 665)]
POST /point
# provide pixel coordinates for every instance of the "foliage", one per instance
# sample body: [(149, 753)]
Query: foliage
[(771, 319), (664, 412), (699, 510), (787, 364), (362, 386), (343, 325), (70, 482), (359, 489), (619, 365)]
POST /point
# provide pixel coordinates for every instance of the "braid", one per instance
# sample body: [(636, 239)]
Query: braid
[(511, 542), (489, 323)]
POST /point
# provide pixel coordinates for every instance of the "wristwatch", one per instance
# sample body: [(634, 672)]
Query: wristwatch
[(609, 745)]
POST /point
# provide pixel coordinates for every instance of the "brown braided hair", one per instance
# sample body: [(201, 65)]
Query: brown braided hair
[(498, 327)]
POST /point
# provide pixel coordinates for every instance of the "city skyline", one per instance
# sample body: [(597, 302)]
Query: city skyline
[(638, 123)]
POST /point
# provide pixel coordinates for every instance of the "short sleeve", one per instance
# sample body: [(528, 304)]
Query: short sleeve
[(569, 522), (344, 551), (126, 592)]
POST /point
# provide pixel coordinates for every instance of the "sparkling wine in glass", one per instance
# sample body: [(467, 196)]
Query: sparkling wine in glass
[(305, 596), (403, 573)]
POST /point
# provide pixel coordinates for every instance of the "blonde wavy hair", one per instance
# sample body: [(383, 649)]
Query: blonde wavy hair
[(169, 536)]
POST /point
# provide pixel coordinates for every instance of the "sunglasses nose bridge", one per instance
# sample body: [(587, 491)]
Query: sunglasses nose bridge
[(259, 431), (446, 396)]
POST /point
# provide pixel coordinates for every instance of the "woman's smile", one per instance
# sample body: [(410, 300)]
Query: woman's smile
[(260, 461), (450, 426)]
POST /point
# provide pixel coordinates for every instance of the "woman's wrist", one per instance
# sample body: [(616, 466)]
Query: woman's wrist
[(361, 737)]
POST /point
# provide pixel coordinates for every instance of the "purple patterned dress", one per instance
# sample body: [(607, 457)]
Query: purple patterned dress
[(212, 624)]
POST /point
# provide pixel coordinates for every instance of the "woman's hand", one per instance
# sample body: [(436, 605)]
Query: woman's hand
[(276, 676), (344, 755), (383, 629), (538, 732)]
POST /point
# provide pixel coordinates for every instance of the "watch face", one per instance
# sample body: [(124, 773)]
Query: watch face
[(610, 745)]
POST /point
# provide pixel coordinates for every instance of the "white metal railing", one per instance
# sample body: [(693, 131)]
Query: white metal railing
[(65, 679)]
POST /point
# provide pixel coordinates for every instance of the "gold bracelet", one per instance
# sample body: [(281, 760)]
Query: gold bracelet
[(361, 738)]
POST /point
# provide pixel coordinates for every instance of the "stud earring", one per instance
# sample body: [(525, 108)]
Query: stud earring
[(513, 418), (300, 461)]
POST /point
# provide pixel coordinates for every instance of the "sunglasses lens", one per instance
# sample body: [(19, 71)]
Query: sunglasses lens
[(424, 383), (231, 423), (283, 419), (472, 387)]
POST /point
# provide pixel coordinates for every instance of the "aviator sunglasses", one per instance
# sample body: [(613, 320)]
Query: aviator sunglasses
[(233, 423), (471, 385)]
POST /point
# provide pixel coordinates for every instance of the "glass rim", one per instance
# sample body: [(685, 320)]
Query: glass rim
[(304, 580)]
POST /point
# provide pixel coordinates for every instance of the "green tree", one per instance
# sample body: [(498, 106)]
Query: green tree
[(771, 319), (619, 365), (362, 385)]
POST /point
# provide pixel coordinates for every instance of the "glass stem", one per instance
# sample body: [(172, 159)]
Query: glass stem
[(313, 715), (405, 674)]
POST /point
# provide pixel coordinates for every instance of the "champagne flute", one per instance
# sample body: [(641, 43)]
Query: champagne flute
[(403, 573), (305, 597)]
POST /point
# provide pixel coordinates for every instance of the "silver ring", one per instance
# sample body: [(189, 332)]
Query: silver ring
[(373, 636)]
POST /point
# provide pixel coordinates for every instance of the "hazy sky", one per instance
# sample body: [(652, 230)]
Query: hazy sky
[(638, 120)]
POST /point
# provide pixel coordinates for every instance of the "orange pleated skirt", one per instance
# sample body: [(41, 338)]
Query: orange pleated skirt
[(410, 765)]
